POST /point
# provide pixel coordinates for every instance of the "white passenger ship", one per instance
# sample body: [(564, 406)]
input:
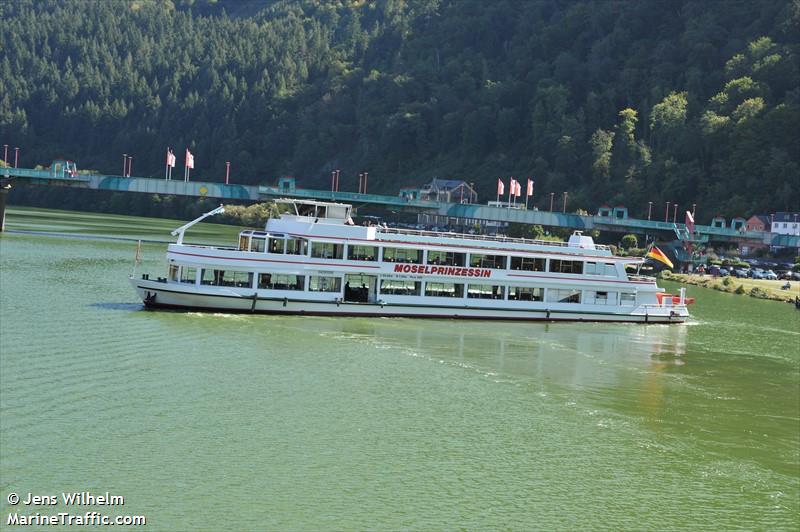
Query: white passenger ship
[(314, 261)]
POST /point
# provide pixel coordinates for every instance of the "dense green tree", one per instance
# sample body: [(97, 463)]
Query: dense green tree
[(624, 101)]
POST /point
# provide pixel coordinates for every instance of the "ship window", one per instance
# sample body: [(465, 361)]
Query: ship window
[(446, 258), (173, 272), (319, 283), (369, 253), (444, 290), (566, 266), (410, 256), (479, 260), (600, 268), (227, 278), (525, 293), (400, 287), (280, 281), (327, 250), (529, 264), (296, 246), (257, 245), (276, 245), (188, 275), (600, 298), (557, 295), (243, 242), (485, 291), (627, 298)]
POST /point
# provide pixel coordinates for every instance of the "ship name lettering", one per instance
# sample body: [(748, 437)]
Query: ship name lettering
[(454, 271)]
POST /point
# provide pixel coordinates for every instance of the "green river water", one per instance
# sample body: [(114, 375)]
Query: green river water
[(238, 422)]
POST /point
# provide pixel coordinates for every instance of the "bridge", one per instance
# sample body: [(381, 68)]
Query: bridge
[(64, 173)]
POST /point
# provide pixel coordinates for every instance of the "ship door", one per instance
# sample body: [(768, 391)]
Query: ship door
[(360, 288)]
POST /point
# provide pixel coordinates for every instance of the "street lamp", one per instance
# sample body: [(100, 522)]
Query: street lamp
[(227, 172), (124, 164), (5, 154), (564, 209), (675, 213), (649, 209), (551, 201), (666, 213), (16, 157)]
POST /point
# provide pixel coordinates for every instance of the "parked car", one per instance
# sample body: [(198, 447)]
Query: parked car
[(769, 274), (795, 276), (757, 273), (723, 272), (740, 272), (785, 275)]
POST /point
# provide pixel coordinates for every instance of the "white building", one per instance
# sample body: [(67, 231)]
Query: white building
[(786, 223)]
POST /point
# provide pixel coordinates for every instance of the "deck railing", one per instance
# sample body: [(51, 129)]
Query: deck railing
[(485, 238)]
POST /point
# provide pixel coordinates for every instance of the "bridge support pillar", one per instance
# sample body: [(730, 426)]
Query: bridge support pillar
[(3, 197)]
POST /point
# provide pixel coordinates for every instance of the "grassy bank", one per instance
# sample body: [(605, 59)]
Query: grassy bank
[(760, 288)]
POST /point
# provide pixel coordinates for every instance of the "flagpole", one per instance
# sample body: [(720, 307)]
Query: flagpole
[(137, 258)]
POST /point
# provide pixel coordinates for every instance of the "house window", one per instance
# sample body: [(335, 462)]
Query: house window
[(327, 250), (410, 256), (485, 291), (444, 289), (320, 283), (368, 253), (525, 293), (280, 281), (400, 287), (479, 260), (446, 258), (530, 264)]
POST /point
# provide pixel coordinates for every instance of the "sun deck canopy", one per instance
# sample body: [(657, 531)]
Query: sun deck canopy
[(319, 211)]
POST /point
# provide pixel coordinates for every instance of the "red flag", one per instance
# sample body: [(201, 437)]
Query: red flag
[(501, 188), (170, 158), (689, 222), (189, 159), (518, 191), (530, 188)]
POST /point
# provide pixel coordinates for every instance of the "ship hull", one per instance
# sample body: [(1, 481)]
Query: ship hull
[(161, 295)]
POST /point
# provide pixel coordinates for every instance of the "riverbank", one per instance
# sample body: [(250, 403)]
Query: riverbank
[(759, 288)]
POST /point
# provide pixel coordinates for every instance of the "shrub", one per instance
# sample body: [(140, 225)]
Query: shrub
[(758, 292), (727, 281), (739, 290), (629, 241)]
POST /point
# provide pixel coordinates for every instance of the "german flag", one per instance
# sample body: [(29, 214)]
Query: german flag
[(659, 255)]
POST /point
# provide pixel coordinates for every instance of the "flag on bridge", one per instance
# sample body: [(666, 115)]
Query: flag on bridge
[(530, 188), (189, 159), (501, 188), (518, 191), (689, 222)]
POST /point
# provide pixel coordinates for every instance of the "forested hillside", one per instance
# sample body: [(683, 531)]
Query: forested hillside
[(691, 101)]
